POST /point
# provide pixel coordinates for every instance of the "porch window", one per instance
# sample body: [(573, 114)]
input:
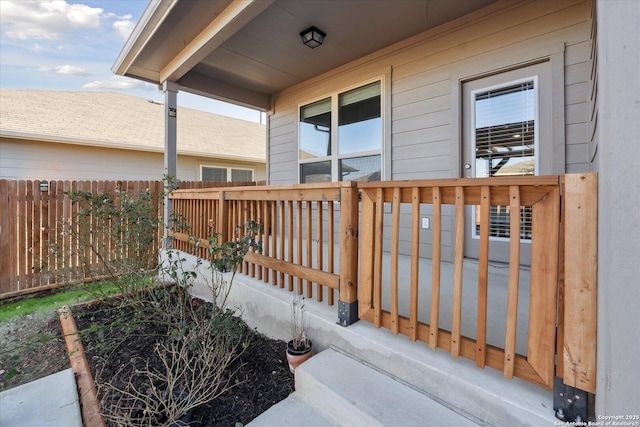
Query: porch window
[(505, 136), (222, 174), (349, 149)]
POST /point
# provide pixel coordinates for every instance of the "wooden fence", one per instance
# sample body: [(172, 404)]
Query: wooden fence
[(36, 250), (299, 242)]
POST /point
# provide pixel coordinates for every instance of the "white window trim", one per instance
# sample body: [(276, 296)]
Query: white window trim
[(228, 168), (385, 116)]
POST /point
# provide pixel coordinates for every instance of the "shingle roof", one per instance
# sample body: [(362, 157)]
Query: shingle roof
[(116, 120)]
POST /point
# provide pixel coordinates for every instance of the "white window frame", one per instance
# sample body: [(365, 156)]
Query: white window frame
[(229, 171), (335, 158)]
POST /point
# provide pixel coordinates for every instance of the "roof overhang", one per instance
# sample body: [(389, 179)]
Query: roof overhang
[(245, 51)]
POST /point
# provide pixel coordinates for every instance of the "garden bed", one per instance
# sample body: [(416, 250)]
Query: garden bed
[(119, 348)]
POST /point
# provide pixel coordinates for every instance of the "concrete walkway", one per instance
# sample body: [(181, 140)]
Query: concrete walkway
[(51, 401)]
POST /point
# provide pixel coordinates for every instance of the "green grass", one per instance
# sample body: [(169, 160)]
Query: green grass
[(53, 301)]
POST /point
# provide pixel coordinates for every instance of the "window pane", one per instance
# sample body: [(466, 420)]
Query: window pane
[(505, 131), (241, 175), (315, 130), (360, 169), (505, 121), (359, 120), (214, 174), (315, 172)]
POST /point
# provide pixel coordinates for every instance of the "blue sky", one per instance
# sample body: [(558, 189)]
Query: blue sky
[(72, 44)]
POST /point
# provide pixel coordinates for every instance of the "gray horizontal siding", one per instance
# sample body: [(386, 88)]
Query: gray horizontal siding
[(426, 82)]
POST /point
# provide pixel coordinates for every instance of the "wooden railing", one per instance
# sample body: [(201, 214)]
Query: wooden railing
[(37, 251), (299, 242), (542, 194)]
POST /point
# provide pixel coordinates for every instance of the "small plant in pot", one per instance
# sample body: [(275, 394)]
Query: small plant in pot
[(300, 348)]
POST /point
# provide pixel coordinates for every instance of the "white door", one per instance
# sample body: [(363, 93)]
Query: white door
[(506, 132)]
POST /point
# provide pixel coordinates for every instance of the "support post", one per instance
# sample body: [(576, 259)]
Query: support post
[(348, 290), (170, 90)]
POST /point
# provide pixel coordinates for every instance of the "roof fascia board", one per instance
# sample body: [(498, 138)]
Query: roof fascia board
[(154, 14), (120, 146), (232, 19)]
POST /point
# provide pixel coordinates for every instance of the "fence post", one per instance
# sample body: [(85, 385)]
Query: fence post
[(348, 291)]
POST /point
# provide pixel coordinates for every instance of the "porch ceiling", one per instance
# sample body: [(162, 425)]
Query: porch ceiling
[(244, 52)]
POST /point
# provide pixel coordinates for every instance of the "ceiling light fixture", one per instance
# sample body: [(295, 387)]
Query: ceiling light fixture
[(312, 37)]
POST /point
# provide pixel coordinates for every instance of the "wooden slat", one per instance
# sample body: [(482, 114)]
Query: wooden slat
[(263, 227), (331, 246), (266, 248), (290, 241), (299, 241), (457, 273), (395, 228), (435, 269), (580, 280), (274, 242), (514, 280), (21, 212), (543, 289), (367, 255), (377, 259), (415, 263), (306, 273), (33, 262), (5, 240), (308, 238), (281, 225), (483, 275), (319, 248)]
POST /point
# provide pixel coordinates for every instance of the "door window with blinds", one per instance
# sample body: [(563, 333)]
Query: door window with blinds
[(504, 139), (340, 136)]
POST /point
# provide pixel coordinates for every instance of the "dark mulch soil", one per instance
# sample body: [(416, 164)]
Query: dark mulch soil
[(260, 375)]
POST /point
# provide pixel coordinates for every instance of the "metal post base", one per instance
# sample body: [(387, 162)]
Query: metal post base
[(569, 403), (347, 313)]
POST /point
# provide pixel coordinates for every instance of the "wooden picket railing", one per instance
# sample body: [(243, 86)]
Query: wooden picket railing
[(299, 244), (541, 193), (37, 252)]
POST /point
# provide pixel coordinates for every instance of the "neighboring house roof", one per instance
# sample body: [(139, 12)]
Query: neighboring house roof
[(115, 120)]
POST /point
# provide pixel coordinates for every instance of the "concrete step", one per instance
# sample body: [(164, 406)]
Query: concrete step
[(347, 392), (292, 411)]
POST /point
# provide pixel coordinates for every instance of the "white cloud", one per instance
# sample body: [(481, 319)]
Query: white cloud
[(70, 70), (37, 48), (45, 19), (118, 83), (124, 28)]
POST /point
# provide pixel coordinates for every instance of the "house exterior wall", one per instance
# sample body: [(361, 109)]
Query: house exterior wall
[(22, 159), (422, 95), (618, 150)]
